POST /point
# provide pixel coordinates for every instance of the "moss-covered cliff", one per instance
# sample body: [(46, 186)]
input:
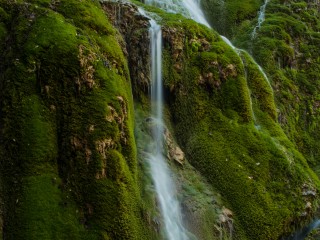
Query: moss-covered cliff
[(70, 168), (291, 40), (286, 46), (68, 154)]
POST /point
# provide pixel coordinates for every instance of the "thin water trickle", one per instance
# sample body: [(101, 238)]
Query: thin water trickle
[(194, 9), (265, 77), (261, 18), (249, 94), (160, 172)]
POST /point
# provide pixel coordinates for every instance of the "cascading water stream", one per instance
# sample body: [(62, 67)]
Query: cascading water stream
[(238, 51), (261, 18), (161, 174), (195, 12)]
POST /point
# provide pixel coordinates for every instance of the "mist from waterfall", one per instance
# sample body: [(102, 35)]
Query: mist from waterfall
[(160, 172)]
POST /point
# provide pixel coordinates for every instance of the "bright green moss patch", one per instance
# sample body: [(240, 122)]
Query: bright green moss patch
[(87, 16), (38, 140), (289, 56), (116, 204), (242, 164), (47, 214), (52, 33), (259, 86)]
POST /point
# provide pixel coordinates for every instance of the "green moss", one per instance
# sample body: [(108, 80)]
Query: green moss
[(87, 16), (69, 168), (115, 207), (44, 213), (70, 105), (260, 87), (291, 63)]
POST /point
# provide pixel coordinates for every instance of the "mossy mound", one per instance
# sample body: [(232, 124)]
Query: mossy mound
[(68, 154), (287, 46)]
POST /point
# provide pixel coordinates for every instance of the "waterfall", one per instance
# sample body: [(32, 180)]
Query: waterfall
[(261, 18), (171, 6), (161, 174), (195, 12)]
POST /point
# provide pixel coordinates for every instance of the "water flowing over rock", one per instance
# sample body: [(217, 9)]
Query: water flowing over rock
[(134, 28), (160, 172), (261, 18), (192, 7)]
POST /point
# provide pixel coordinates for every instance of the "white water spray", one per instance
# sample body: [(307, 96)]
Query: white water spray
[(161, 174), (193, 7), (261, 18), (171, 6)]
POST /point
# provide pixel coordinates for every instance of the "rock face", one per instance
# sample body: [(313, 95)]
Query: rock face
[(133, 27), (174, 152), (69, 72)]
